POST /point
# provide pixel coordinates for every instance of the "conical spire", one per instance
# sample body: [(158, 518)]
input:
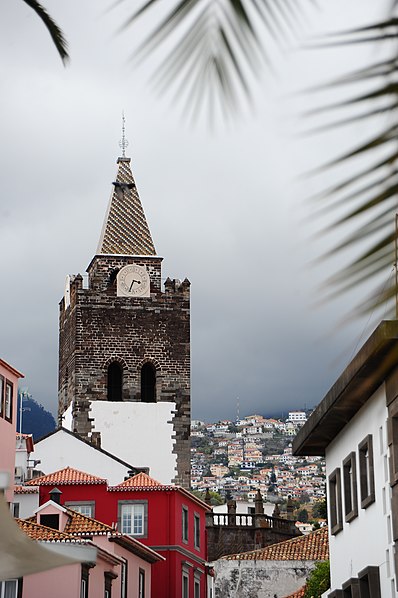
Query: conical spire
[(125, 230)]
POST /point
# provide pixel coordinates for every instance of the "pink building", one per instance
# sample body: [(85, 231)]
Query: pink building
[(122, 568), (8, 420)]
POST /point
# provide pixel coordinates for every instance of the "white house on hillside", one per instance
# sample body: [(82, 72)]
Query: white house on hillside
[(356, 427)]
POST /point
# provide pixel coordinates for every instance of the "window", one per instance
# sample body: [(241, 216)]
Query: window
[(184, 524), (148, 383), (185, 584), (115, 382), (109, 576), (86, 508), (350, 487), (133, 517), (351, 588), (1, 396), (141, 583), (197, 530), (8, 402), (84, 581), (15, 509), (123, 580), (366, 472), (369, 583), (11, 588), (336, 521), (196, 591), (50, 521)]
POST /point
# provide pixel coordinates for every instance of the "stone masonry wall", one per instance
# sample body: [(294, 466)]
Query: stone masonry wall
[(100, 327)]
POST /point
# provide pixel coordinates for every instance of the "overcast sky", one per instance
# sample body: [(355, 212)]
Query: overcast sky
[(226, 206)]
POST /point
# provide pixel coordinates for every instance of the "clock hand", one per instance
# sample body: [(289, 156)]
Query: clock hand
[(132, 282)]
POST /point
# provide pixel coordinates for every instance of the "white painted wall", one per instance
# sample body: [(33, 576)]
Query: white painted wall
[(242, 507), (139, 433), (61, 450), (28, 504), (367, 539)]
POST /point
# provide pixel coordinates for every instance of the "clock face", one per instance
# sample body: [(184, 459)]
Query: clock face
[(133, 281)]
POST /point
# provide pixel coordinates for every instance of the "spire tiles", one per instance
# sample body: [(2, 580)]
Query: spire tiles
[(125, 230)]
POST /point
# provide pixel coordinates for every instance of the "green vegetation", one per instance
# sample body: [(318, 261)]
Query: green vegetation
[(318, 580)]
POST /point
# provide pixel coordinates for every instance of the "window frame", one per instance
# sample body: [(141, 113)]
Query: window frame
[(133, 503), (81, 503), (366, 471), (369, 582), (17, 590), (8, 405), (185, 578), (185, 524), (141, 583), (124, 579), (2, 394), (350, 490), (84, 578), (196, 530), (335, 503)]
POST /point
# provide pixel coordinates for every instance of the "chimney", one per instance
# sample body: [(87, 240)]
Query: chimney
[(55, 495)]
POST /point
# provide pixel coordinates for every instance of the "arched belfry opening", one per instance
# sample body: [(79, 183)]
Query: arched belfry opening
[(148, 383), (115, 382)]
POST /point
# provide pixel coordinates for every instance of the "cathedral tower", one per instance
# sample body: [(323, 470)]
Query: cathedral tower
[(124, 346)]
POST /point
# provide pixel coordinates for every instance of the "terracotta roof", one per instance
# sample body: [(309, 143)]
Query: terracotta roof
[(80, 525), (125, 230), (26, 489), (312, 547), (41, 532), (298, 594), (139, 481), (143, 482), (68, 475)]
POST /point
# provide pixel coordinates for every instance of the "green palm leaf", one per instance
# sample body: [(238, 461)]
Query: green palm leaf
[(55, 32), (211, 48), (369, 196)]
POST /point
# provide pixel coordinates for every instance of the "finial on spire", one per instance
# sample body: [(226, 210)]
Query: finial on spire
[(123, 143)]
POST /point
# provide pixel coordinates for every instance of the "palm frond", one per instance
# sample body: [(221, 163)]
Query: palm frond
[(217, 42), (369, 196), (55, 32)]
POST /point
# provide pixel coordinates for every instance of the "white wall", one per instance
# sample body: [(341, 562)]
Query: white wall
[(366, 540), (28, 503), (139, 433), (61, 450)]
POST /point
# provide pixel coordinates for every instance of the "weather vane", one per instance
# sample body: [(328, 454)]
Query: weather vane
[(123, 143)]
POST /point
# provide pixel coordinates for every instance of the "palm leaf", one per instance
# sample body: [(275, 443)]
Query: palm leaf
[(368, 197), (210, 46), (55, 32)]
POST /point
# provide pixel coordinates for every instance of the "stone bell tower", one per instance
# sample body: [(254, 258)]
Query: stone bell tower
[(124, 346)]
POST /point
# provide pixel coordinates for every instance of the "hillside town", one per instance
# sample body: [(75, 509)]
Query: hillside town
[(129, 498), (237, 459)]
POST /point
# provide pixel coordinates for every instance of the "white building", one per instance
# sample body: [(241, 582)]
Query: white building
[(356, 428), (297, 417)]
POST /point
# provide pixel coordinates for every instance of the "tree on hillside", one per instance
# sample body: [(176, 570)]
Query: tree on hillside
[(35, 419)]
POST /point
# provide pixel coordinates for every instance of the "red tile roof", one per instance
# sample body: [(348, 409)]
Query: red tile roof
[(312, 547), (68, 475), (41, 532), (298, 594), (26, 490), (141, 481)]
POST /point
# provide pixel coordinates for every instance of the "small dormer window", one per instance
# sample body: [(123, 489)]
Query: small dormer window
[(50, 521)]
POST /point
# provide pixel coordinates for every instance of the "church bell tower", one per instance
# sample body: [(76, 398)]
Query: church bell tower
[(124, 346)]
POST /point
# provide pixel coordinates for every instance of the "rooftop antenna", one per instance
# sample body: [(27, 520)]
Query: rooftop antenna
[(123, 143), (237, 410)]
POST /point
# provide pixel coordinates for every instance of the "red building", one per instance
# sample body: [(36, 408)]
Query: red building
[(169, 519)]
